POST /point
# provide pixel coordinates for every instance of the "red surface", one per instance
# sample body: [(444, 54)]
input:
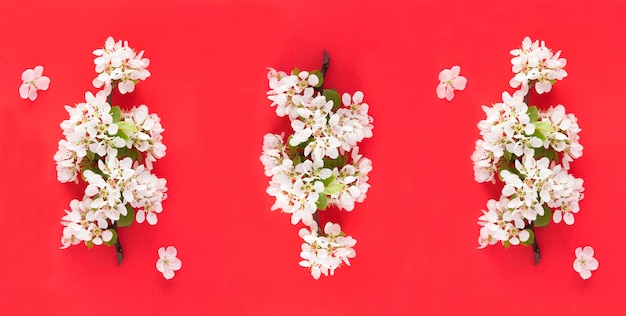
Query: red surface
[(416, 231)]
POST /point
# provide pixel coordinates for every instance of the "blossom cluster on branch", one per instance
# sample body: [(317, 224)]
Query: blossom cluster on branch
[(118, 65), (112, 150), (319, 164), (530, 150)]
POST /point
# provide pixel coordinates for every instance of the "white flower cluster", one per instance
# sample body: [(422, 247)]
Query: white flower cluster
[(534, 63), (97, 129), (530, 150), (117, 63), (113, 150), (325, 253), (319, 164)]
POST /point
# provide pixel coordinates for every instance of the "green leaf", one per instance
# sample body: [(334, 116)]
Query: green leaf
[(320, 76), (297, 160), (134, 154), (344, 160), (333, 188), (533, 113), (548, 153), (127, 127), (539, 135), (544, 220), (322, 202), (295, 71), (333, 95), (508, 155), (89, 244), (544, 127), (116, 113), (113, 239), (531, 239), (328, 180), (126, 220), (506, 244), (91, 155), (339, 162), (122, 135)]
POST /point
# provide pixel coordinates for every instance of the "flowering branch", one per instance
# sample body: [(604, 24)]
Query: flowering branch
[(529, 150), (112, 150), (319, 164)]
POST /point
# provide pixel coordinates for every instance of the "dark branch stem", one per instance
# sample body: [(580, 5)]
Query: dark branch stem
[(536, 252), (113, 226), (531, 226), (325, 65), (118, 246)]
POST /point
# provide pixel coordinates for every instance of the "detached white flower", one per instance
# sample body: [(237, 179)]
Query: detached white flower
[(585, 262), (450, 80), (33, 80), (168, 263)]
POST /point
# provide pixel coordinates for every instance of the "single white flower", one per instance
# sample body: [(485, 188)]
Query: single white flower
[(168, 262), (33, 80), (450, 81), (585, 262)]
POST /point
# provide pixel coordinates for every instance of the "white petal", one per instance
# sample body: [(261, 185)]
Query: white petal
[(152, 218), (24, 90), (588, 251), (140, 217), (441, 90), (168, 274), (585, 274), (171, 251), (176, 264)]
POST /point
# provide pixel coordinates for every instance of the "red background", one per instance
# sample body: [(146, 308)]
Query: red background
[(416, 231)]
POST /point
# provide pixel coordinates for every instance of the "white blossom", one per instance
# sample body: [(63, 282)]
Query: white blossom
[(117, 63), (33, 81), (535, 64), (323, 253), (449, 81), (83, 223), (319, 164), (289, 92), (168, 262), (585, 262)]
